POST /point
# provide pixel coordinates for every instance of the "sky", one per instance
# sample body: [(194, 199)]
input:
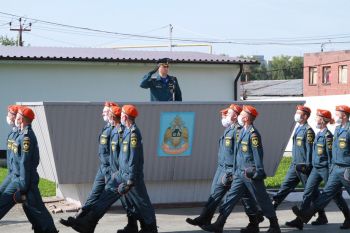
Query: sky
[(255, 23)]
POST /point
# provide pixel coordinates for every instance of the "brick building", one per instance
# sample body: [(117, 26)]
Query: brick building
[(326, 73)]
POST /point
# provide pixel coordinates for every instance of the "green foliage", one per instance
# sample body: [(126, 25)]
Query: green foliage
[(46, 187), (280, 67), (4, 40), (276, 181)]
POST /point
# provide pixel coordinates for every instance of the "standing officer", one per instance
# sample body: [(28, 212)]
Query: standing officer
[(301, 165), (10, 118), (249, 175), (23, 187), (163, 87), (223, 176), (129, 180), (103, 173), (339, 172), (321, 162)]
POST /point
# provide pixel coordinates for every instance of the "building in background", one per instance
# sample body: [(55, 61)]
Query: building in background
[(326, 73)]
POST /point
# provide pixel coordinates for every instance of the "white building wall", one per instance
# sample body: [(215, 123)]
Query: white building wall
[(32, 81)]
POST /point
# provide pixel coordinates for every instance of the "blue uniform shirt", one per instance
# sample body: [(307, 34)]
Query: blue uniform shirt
[(104, 147), (341, 148), (26, 154), (250, 152), (11, 138), (116, 137), (303, 140), (162, 88), (322, 149), (131, 154), (227, 145)]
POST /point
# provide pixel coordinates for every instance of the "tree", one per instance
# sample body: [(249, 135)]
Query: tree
[(6, 41), (254, 72), (286, 67)]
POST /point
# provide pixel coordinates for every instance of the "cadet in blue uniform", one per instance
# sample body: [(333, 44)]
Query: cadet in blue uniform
[(321, 162), (11, 116), (103, 171), (163, 87), (339, 172), (301, 165), (223, 176), (249, 175), (129, 180), (23, 187)]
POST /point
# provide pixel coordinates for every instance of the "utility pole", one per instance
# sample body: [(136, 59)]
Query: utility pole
[(171, 37), (22, 28)]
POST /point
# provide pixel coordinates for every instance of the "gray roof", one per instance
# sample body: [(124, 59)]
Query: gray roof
[(113, 55), (290, 87)]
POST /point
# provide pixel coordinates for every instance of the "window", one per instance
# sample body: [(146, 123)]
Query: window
[(313, 76), (343, 74), (326, 78)]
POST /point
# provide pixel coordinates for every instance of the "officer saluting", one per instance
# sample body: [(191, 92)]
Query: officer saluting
[(163, 87)]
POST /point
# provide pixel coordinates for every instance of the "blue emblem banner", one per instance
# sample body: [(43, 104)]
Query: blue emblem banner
[(176, 133)]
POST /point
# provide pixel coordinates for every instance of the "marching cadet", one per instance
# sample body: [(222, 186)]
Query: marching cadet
[(23, 187), (321, 162), (103, 171), (10, 118), (301, 165), (163, 87), (339, 172), (129, 180), (223, 176), (249, 175)]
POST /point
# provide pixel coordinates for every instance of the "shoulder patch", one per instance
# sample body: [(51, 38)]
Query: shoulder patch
[(255, 140), (26, 144), (310, 135)]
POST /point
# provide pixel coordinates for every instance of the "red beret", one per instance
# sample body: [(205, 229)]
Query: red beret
[(234, 107), (304, 109), (116, 110), (324, 113), (343, 108), (251, 110), (130, 110), (26, 112), (13, 109), (110, 104)]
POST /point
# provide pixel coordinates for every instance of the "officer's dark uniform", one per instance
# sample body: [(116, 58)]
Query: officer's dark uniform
[(130, 164), (11, 138), (249, 155), (321, 161), (103, 172), (162, 89), (25, 179), (226, 158), (303, 139), (336, 180)]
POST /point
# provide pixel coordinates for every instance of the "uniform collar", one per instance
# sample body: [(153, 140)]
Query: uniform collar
[(160, 78)]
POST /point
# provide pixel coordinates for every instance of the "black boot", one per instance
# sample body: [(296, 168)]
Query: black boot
[(86, 224), (306, 215), (148, 228), (346, 223), (131, 227), (321, 219), (297, 223), (69, 221), (274, 226), (217, 226), (203, 219), (253, 225)]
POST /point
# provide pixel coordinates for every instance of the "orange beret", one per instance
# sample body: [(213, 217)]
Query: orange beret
[(234, 107), (324, 113), (343, 108), (13, 109), (130, 110), (251, 110), (110, 104), (304, 109), (116, 110), (26, 112)]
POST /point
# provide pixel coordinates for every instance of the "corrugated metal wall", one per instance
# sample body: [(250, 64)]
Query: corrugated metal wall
[(67, 134)]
